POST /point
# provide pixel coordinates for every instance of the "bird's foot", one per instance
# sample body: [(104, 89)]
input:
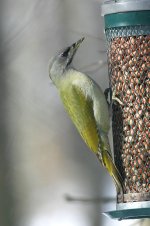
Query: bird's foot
[(114, 98), (107, 92)]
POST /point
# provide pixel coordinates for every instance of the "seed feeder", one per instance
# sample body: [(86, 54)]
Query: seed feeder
[(127, 30)]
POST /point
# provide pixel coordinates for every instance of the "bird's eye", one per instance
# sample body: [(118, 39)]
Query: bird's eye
[(65, 53)]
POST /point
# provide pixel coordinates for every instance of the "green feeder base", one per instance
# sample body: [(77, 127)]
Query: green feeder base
[(126, 211)]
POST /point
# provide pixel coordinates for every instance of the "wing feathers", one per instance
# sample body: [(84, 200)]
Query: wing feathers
[(80, 108)]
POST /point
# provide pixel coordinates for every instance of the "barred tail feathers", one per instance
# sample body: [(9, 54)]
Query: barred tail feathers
[(113, 171), (105, 157)]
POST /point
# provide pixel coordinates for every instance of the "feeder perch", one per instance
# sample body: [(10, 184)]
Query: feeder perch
[(127, 30)]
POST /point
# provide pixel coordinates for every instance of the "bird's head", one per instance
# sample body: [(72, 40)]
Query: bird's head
[(61, 61)]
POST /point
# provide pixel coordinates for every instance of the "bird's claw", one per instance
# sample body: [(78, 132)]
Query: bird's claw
[(114, 98)]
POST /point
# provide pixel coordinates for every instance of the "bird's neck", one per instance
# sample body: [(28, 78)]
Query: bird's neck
[(57, 73)]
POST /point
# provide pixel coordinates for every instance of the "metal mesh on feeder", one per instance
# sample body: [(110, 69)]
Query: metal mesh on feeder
[(129, 74), (129, 70)]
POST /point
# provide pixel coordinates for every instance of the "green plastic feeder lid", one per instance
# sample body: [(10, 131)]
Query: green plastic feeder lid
[(118, 6)]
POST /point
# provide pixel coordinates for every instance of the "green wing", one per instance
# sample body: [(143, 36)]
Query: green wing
[(80, 108)]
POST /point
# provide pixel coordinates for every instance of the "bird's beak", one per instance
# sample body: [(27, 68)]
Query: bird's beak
[(76, 45), (71, 50)]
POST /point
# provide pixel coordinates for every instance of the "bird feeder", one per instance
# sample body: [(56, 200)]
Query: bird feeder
[(127, 30)]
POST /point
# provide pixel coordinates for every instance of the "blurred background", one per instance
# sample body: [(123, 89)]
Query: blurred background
[(48, 177)]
